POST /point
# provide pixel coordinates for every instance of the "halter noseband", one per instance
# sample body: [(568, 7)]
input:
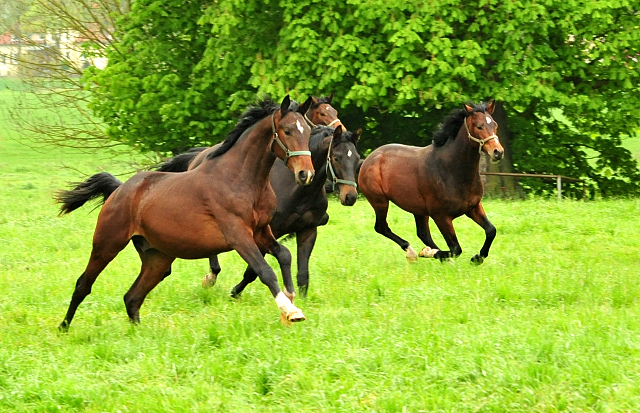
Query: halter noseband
[(482, 142), (313, 125), (329, 168), (288, 154)]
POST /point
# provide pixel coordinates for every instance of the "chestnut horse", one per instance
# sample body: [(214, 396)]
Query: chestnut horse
[(441, 181), (225, 204), (300, 209)]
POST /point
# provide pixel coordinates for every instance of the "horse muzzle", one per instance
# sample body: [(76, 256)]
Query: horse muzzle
[(348, 195), (304, 177)]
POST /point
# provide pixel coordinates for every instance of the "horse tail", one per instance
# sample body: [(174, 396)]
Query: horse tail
[(180, 163), (102, 184)]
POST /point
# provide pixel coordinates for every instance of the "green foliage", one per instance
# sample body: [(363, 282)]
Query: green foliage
[(396, 67)]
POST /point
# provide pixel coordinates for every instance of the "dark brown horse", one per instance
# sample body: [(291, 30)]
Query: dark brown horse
[(441, 181), (225, 204), (300, 210)]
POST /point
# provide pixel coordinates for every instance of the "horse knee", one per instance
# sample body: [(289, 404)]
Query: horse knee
[(381, 227), (283, 255), (491, 231)]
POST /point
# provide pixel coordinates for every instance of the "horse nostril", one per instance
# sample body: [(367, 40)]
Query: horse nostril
[(497, 154), (302, 176)]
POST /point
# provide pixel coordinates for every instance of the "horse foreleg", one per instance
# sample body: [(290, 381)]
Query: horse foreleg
[(478, 215), (382, 228), (210, 279), (445, 225), (305, 240), (422, 229), (265, 240), (250, 252), (154, 266)]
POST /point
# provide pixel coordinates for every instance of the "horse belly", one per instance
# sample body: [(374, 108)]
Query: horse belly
[(187, 241)]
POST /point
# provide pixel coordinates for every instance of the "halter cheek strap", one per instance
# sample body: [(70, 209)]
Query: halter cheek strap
[(482, 142), (333, 177), (287, 153), (313, 125)]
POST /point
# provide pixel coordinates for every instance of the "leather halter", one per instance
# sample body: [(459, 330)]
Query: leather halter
[(482, 142), (329, 168), (313, 125), (288, 154)]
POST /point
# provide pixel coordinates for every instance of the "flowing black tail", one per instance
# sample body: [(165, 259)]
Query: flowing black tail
[(102, 184), (180, 163)]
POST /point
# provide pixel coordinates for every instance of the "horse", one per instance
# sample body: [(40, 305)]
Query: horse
[(300, 210), (225, 204), (441, 181)]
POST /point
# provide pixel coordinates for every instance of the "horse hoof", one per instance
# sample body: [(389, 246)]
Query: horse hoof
[(296, 316), (411, 254), (209, 280), (427, 252), (477, 259)]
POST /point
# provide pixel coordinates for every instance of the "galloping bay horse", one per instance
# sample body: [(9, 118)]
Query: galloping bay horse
[(225, 204), (300, 210), (441, 181)]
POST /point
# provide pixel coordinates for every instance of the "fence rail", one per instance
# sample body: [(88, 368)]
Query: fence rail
[(558, 179)]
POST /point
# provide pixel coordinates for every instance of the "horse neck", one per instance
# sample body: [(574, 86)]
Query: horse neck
[(319, 153), (461, 156), (254, 153)]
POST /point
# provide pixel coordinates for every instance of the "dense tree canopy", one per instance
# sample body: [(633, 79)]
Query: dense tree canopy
[(565, 71)]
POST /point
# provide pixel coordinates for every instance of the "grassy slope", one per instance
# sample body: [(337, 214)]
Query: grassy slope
[(549, 322)]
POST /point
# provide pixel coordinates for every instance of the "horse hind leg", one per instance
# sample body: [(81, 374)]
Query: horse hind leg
[(101, 256), (154, 266), (382, 228)]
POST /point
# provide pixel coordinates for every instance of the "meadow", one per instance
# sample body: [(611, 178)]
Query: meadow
[(550, 322)]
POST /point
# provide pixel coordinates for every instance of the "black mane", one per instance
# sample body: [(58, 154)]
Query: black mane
[(250, 117), (449, 128)]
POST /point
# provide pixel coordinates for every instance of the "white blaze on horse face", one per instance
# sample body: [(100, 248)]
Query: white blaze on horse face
[(299, 126), (489, 119), (349, 153)]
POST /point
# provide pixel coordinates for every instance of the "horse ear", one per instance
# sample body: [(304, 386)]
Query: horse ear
[(468, 108), (330, 98), (306, 105), (356, 136), (337, 132), (284, 106), (491, 106)]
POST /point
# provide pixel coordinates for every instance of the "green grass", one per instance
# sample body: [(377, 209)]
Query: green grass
[(548, 323)]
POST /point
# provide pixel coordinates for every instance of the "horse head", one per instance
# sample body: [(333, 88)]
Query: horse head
[(481, 128), (321, 113), (291, 133), (342, 163)]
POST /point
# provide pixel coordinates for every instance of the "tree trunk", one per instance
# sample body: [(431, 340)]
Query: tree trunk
[(500, 186)]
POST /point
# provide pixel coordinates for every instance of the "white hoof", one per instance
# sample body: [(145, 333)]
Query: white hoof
[(427, 252), (288, 312), (209, 280), (411, 254)]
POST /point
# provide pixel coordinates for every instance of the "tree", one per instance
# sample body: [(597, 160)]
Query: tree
[(565, 72), (51, 34)]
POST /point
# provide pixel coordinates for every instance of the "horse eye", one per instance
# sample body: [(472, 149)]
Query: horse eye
[(480, 127), (323, 114), (287, 132)]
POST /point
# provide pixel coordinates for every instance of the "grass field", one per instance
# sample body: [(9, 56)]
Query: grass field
[(550, 322)]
